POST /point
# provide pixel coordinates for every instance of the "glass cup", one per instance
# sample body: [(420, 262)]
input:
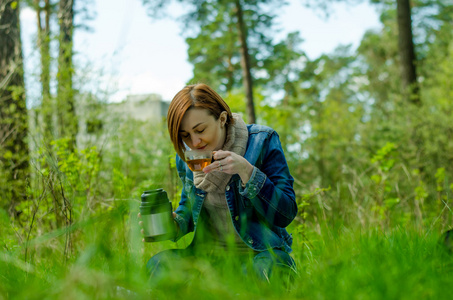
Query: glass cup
[(198, 159)]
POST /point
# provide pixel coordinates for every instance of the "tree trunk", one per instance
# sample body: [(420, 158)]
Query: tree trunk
[(14, 154), (230, 67), (67, 120), (44, 49), (406, 51), (245, 63)]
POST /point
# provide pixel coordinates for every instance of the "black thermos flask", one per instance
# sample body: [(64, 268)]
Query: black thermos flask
[(156, 214)]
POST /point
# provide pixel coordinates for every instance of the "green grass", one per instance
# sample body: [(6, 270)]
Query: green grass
[(108, 263), (400, 264)]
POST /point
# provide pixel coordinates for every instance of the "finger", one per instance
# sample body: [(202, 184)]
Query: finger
[(210, 167), (220, 154), (174, 215), (221, 165), (139, 215)]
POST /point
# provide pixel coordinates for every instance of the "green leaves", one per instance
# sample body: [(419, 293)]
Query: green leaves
[(383, 157)]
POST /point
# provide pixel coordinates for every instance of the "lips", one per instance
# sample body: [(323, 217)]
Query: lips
[(202, 148)]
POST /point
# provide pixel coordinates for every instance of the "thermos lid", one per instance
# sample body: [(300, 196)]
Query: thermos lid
[(155, 196)]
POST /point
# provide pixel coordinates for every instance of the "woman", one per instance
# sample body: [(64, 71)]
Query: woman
[(240, 203)]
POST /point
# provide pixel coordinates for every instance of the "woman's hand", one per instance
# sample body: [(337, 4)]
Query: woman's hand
[(230, 163), (143, 231)]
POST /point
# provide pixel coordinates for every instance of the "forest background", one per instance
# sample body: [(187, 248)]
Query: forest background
[(367, 133)]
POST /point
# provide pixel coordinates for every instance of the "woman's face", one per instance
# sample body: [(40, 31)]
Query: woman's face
[(200, 130)]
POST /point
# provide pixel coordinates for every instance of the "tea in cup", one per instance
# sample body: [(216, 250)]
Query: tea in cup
[(198, 159)]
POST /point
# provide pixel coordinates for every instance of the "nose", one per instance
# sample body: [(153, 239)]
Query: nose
[(195, 140)]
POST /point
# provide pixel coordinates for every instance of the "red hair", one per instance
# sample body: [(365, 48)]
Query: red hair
[(199, 96)]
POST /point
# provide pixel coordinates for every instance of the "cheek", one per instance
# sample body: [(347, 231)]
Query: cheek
[(205, 135), (214, 135)]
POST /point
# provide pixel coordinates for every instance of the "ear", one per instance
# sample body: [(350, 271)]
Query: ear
[(223, 118)]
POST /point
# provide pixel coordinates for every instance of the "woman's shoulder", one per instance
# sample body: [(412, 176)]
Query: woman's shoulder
[(260, 137), (257, 129)]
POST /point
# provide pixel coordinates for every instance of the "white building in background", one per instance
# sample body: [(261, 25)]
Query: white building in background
[(147, 107), (97, 121)]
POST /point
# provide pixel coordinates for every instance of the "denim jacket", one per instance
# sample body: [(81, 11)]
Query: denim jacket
[(262, 209)]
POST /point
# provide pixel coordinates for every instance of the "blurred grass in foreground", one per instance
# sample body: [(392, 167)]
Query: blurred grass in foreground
[(337, 264)]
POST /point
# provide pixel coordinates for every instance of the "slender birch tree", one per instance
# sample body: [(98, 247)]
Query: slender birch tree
[(43, 11), (66, 116)]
